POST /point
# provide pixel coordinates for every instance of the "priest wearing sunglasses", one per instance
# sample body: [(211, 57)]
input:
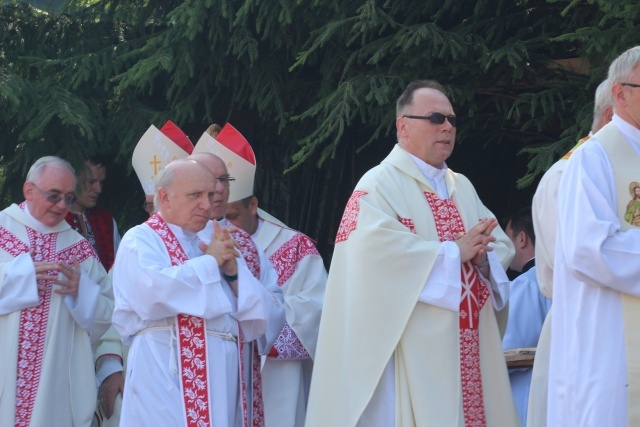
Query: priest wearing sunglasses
[(417, 288), (55, 300)]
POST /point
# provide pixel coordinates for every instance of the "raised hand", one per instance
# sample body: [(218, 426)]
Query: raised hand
[(474, 244), (71, 284)]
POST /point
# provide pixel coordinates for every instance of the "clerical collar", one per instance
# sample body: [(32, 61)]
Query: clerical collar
[(433, 175), (630, 132), (527, 265), (42, 228)]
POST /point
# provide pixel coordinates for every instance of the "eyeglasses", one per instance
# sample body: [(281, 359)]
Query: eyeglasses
[(436, 118), (630, 84), (69, 199), (147, 206), (225, 180)]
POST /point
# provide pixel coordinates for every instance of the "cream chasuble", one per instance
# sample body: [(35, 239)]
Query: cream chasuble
[(385, 250)]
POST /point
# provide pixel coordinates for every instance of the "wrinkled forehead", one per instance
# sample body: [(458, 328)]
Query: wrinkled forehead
[(56, 178)]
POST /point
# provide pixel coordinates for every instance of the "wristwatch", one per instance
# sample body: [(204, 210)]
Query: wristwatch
[(230, 278)]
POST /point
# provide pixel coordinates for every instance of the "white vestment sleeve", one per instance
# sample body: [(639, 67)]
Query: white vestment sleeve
[(443, 287), (107, 365), (18, 289), (83, 307), (589, 236), (499, 289)]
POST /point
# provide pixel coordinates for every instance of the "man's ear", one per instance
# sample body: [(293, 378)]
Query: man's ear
[(163, 196), (253, 205), (523, 239), (27, 190)]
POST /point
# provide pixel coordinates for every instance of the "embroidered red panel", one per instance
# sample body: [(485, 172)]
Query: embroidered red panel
[(474, 295), (350, 217), (192, 341), (408, 222), (285, 260)]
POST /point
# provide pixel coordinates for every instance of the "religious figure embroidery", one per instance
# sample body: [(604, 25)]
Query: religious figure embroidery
[(632, 214)]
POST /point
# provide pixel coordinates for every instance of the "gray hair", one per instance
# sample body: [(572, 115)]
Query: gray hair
[(37, 169), (603, 99), (622, 67), (406, 98), (163, 180)]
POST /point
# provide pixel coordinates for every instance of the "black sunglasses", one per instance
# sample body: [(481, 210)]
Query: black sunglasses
[(436, 118)]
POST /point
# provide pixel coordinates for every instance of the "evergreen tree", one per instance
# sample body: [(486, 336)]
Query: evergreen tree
[(312, 85)]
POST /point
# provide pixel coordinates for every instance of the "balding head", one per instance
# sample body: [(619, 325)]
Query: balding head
[(218, 169), (184, 194)]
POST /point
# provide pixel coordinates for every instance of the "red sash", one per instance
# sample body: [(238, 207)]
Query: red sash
[(285, 260), (474, 295), (34, 320), (192, 342), (249, 374)]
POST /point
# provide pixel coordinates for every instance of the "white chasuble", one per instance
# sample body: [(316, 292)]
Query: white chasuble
[(387, 248)]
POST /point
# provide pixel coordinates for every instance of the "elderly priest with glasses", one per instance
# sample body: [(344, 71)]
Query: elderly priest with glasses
[(55, 300), (409, 334)]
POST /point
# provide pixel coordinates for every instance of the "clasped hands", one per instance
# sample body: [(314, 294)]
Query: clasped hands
[(225, 250), (70, 282), (474, 244)]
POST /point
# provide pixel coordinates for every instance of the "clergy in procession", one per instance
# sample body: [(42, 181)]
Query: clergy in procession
[(528, 308), (409, 334), (55, 300), (286, 374), (594, 367), (156, 149), (186, 308), (545, 219)]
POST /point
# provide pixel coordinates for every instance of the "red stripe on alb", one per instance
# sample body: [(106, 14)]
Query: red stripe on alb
[(474, 295), (192, 342)]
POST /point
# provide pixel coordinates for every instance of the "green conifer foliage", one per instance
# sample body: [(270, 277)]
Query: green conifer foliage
[(311, 84)]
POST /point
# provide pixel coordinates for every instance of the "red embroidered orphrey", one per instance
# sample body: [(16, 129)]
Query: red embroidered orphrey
[(192, 342), (350, 217), (253, 372), (34, 320), (284, 260), (474, 295)]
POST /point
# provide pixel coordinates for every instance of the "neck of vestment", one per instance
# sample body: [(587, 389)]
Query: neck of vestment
[(618, 139)]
